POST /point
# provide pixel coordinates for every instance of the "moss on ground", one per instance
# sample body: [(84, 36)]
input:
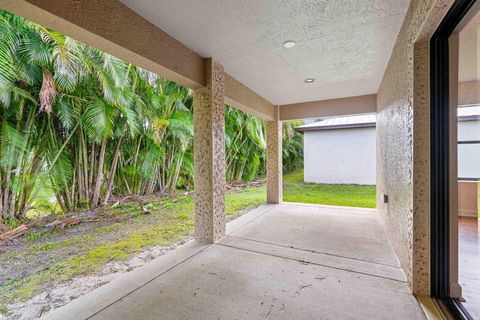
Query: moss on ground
[(3, 309), (162, 234)]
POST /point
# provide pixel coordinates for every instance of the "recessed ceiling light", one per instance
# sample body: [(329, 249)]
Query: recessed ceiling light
[(309, 80), (289, 44)]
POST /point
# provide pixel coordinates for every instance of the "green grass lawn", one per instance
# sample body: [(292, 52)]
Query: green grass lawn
[(294, 190)]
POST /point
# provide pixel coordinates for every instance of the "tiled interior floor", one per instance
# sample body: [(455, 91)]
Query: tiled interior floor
[(469, 264)]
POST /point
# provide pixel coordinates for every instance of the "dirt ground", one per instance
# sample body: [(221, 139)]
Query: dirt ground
[(55, 295)]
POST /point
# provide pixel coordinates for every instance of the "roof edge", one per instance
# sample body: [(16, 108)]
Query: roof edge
[(339, 126)]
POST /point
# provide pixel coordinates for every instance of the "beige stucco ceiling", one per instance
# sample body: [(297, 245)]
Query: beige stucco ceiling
[(344, 44)]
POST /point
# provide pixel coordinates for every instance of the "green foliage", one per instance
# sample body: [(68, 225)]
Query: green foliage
[(245, 146), (246, 143), (12, 222), (292, 147), (32, 237)]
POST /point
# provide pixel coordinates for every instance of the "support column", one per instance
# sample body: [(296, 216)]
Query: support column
[(274, 159), (209, 155)]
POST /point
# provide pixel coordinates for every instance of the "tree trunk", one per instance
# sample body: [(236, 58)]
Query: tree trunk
[(79, 168), (99, 182), (25, 202), (84, 157), (113, 169), (92, 172), (178, 167), (151, 183)]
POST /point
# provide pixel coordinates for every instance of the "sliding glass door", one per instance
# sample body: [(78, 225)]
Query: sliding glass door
[(455, 160)]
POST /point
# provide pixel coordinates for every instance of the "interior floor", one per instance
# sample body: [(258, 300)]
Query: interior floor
[(469, 264)]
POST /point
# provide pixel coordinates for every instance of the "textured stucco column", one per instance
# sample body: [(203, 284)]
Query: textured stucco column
[(209, 150), (274, 159)]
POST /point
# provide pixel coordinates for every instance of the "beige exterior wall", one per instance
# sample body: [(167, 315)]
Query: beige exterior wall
[(403, 142)]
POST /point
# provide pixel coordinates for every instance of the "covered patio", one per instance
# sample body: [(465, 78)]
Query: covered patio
[(288, 261), (281, 261)]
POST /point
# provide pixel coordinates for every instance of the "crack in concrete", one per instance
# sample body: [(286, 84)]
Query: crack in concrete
[(312, 263)]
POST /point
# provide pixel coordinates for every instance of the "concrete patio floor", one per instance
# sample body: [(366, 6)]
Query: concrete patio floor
[(286, 261)]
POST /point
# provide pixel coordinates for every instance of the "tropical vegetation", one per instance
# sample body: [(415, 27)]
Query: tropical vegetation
[(79, 127)]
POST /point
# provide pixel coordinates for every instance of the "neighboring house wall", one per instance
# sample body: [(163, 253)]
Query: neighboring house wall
[(340, 156)]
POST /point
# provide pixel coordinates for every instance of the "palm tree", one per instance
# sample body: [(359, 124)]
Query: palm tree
[(245, 146), (167, 134), (35, 62), (292, 147)]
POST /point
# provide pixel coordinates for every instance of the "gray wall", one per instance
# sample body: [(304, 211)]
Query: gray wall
[(340, 156)]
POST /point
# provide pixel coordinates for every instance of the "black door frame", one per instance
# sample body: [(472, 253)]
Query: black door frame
[(440, 158)]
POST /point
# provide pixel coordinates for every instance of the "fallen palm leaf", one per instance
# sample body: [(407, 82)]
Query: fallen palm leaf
[(12, 232)]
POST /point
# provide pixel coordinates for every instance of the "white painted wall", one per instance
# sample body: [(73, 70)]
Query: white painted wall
[(468, 154), (468, 167), (346, 156)]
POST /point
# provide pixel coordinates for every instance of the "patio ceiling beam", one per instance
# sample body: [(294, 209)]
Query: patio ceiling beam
[(241, 97), (112, 27), (329, 108)]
